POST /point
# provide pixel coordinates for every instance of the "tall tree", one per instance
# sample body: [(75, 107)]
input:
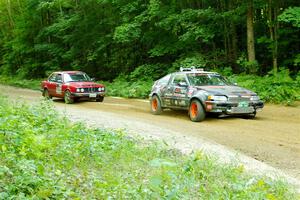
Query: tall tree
[(250, 36), (273, 29)]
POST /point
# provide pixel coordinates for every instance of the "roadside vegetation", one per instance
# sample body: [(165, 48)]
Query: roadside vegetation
[(33, 84), (45, 156), (279, 88), (129, 44)]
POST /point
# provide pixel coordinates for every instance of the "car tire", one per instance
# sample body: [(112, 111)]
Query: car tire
[(46, 94), (196, 111), (155, 105), (67, 97), (99, 99)]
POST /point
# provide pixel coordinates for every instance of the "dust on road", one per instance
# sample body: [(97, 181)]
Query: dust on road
[(273, 137)]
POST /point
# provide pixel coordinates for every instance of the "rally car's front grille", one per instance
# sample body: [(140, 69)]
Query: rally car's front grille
[(92, 89), (237, 99)]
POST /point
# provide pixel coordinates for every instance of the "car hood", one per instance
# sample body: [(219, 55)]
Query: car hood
[(226, 90), (84, 84)]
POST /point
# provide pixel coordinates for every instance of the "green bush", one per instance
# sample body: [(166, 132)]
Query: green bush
[(44, 156), (126, 86), (23, 83), (279, 88)]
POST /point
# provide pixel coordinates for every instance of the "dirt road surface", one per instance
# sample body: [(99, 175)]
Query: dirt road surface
[(273, 137)]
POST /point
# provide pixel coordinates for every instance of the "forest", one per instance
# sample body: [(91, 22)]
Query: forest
[(145, 39)]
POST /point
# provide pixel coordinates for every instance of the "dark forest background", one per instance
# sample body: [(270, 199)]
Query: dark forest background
[(107, 38)]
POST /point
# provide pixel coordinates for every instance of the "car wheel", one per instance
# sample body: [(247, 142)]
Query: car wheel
[(99, 99), (196, 111), (68, 98), (155, 105), (46, 94)]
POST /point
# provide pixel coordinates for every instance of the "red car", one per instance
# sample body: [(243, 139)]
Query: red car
[(72, 85)]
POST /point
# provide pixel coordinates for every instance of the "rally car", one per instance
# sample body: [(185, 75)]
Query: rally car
[(201, 92), (72, 85)]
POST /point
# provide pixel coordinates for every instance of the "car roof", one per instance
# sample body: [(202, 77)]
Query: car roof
[(68, 72), (194, 70)]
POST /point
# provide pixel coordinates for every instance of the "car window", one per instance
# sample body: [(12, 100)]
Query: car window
[(179, 78), (164, 80), (52, 78), (199, 79), (76, 77), (58, 78)]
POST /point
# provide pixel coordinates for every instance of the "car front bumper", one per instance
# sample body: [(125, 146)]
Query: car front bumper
[(232, 108), (88, 95)]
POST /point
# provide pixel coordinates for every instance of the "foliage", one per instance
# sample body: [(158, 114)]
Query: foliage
[(20, 82), (291, 15), (45, 156), (274, 88), (129, 89), (109, 38)]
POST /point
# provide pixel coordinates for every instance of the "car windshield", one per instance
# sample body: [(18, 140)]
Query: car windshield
[(76, 77), (200, 79)]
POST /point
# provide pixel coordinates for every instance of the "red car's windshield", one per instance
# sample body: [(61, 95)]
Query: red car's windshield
[(76, 77)]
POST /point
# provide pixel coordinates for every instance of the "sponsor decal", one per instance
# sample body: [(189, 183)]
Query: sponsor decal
[(177, 90), (59, 89)]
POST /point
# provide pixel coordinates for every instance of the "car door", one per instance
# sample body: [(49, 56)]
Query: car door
[(55, 85), (51, 85), (58, 86), (179, 91), (166, 89)]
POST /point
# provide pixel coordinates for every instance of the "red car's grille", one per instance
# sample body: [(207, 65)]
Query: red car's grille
[(92, 89)]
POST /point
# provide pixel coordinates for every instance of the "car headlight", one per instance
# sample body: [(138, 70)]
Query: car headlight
[(101, 89), (217, 98), (254, 98), (82, 90), (78, 90)]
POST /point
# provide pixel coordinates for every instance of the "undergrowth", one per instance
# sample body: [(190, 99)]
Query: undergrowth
[(45, 156), (33, 84), (278, 89)]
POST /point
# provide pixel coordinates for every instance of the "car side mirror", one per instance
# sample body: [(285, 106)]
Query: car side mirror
[(235, 84), (182, 84), (59, 81), (93, 79)]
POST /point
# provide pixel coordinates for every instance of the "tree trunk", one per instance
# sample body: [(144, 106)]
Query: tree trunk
[(250, 36), (233, 41), (273, 28)]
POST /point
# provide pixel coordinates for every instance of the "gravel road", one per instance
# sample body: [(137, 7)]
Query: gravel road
[(269, 144)]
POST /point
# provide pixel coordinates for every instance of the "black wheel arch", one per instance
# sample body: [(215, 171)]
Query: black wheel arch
[(197, 98), (158, 96)]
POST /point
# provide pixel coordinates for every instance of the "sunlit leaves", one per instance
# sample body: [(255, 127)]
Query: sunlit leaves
[(291, 15)]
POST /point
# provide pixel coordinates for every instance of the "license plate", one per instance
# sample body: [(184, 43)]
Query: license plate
[(243, 104), (240, 110), (93, 95)]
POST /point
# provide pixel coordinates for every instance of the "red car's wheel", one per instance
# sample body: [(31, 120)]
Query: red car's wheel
[(68, 98), (99, 99), (155, 105), (46, 94), (196, 111)]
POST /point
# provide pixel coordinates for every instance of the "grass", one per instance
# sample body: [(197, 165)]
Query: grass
[(33, 84), (45, 156), (279, 89)]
